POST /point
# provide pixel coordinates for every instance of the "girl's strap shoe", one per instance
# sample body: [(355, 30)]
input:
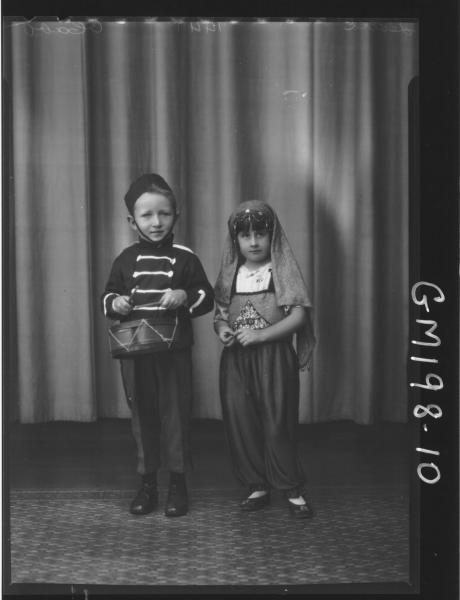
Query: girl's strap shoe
[(250, 504), (301, 511)]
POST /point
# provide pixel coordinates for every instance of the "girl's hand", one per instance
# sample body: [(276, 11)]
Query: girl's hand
[(247, 337), (122, 305), (226, 336), (173, 299)]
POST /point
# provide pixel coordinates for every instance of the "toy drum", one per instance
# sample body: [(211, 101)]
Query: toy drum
[(144, 336)]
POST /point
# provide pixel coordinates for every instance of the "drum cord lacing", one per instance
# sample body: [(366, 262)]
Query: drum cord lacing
[(167, 340)]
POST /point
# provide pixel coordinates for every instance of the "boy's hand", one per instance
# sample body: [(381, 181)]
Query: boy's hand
[(226, 336), (122, 305), (247, 337), (173, 299)]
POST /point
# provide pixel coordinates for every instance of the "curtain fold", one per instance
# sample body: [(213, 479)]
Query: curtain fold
[(311, 117)]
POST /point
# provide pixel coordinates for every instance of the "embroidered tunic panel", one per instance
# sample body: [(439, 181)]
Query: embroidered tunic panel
[(254, 311), (253, 304)]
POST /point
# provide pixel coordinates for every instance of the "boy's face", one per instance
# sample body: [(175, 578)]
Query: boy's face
[(254, 246), (154, 216)]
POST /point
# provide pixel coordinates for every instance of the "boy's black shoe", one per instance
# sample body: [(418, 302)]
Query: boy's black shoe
[(146, 500), (249, 504), (177, 501)]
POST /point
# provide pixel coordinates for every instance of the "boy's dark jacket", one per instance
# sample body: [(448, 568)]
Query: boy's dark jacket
[(146, 269)]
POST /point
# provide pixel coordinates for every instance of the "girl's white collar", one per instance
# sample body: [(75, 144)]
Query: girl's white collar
[(252, 273)]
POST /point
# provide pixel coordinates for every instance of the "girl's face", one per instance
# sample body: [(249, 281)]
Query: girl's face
[(154, 216), (254, 246)]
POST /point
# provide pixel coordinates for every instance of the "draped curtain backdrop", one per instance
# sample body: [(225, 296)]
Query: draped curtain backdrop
[(311, 117)]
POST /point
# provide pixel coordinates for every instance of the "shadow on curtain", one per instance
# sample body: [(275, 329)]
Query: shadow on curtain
[(311, 117)]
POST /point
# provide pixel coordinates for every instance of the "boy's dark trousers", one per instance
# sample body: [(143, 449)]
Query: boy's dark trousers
[(159, 391)]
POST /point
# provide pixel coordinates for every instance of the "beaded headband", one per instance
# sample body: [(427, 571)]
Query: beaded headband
[(257, 219)]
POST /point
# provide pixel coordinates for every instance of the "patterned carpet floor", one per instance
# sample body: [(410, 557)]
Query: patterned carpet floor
[(358, 535)]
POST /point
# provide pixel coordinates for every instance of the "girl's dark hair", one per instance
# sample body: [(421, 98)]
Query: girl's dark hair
[(150, 182)]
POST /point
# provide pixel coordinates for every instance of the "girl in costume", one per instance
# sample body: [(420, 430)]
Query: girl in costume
[(261, 301)]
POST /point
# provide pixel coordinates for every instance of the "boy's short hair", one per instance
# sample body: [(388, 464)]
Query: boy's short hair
[(149, 182)]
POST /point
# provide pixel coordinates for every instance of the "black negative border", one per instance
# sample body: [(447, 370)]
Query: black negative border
[(434, 258)]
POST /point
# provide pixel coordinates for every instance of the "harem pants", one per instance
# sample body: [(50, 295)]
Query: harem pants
[(159, 391), (259, 387)]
